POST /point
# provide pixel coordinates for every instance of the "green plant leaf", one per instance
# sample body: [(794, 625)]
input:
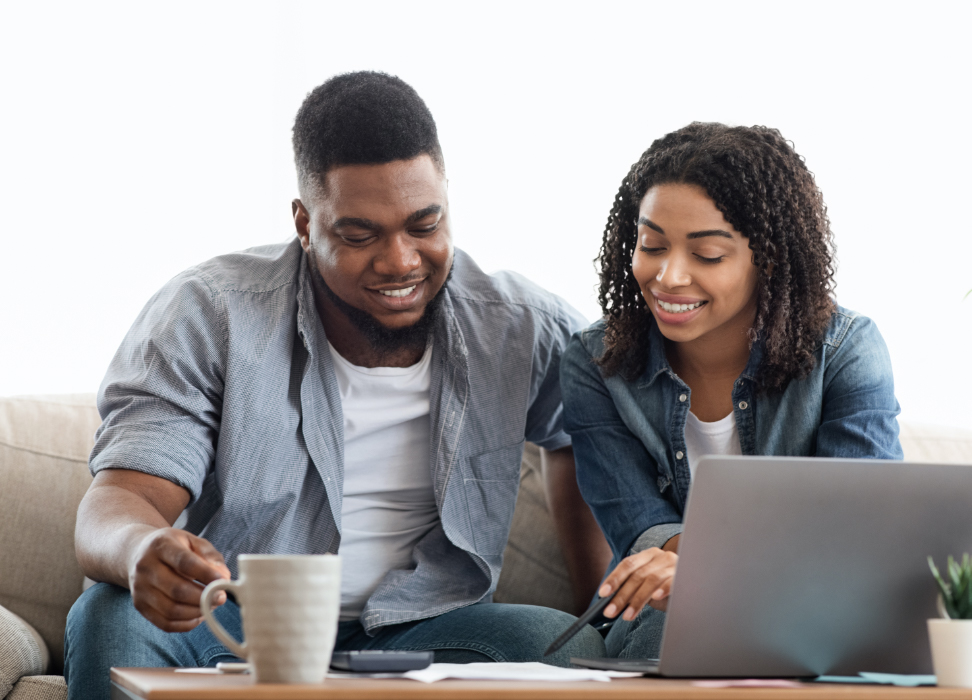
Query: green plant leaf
[(957, 591)]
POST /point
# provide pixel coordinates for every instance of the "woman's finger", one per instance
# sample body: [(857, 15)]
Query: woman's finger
[(623, 570), (655, 586)]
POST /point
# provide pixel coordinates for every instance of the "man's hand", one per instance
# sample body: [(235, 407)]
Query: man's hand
[(124, 536), (642, 578), (163, 578)]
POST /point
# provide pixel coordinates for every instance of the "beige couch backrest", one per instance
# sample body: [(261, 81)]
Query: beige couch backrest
[(44, 447)]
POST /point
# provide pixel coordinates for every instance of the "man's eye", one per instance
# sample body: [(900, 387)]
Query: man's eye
[(356, 240), (426, 229)]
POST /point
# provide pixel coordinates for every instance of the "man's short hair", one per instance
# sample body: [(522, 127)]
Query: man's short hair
[(361, 118)]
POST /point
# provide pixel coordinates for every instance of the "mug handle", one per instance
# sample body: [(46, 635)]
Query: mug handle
[(217, 629)]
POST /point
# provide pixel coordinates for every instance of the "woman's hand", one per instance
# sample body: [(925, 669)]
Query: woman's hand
[(645, 577)]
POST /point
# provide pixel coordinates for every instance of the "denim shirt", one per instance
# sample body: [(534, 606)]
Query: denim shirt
[(225, 386), (629, 437)]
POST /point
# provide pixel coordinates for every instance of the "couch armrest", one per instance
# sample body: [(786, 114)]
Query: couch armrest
[(22, 651)]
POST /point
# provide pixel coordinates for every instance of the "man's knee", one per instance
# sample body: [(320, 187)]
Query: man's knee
[(528, 630), (101, 607)]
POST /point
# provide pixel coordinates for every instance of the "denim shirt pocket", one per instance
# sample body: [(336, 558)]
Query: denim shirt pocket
[(491, 481)]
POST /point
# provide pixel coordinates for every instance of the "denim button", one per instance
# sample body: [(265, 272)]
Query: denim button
[(683, 397), (743, 405), (679, 454)]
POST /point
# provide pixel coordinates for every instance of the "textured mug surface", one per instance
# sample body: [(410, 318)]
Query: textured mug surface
[(290, 606)]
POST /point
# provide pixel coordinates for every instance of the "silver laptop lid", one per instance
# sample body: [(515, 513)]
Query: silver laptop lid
[(804, 566)]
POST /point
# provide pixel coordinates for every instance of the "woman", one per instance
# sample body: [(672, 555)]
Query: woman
[(720, 336)]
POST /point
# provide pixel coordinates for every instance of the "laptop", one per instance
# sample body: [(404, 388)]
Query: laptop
[(796, 567)]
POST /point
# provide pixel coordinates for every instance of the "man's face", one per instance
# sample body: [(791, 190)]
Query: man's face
[(379, 237)]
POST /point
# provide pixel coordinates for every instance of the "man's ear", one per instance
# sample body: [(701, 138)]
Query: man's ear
[(301, 223)]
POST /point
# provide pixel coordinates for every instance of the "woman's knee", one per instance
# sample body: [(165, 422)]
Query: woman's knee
[(639, 639)]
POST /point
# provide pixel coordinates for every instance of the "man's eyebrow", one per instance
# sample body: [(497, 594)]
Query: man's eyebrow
[(645, 221), (422, 213), (366, 224), (711, 232)]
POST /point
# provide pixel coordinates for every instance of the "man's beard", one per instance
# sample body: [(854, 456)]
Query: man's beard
[(384, 340)]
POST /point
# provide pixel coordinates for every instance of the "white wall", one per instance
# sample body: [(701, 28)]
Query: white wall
[(139, 138)]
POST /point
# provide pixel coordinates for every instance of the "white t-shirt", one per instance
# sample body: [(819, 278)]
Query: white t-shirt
[(720, 437), (388, 503)]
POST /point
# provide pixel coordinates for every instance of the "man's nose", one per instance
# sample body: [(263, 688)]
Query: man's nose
[(398, 257), (674, 272)]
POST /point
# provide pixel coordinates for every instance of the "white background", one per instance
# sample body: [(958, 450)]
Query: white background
[(137, 139)]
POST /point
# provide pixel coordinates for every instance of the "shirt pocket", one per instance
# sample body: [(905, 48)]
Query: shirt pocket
[(491, 481)]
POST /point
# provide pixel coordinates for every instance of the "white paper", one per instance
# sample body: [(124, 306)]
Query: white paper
[(533, 671)]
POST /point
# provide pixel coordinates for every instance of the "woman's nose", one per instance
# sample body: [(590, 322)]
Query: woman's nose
[(674, 272), (398, 257)]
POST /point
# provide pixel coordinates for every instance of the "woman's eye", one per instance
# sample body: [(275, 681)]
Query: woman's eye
[(652, 251), (710, 261)]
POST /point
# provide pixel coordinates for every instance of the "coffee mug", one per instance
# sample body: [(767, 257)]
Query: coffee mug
[(289, 606)]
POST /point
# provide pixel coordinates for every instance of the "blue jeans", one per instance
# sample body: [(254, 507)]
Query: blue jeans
[(639, 639), (105, 630)]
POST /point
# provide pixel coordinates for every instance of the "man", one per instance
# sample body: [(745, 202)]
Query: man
[(364, 389)]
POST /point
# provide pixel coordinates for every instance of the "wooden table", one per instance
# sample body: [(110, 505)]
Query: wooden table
[(165, 684)]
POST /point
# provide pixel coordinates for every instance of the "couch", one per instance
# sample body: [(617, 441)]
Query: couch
[(44, 446)]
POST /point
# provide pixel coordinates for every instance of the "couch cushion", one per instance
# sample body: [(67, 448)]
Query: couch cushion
[(22, 652), (44, 447), (935, 444), (534, 571), (39, 688)]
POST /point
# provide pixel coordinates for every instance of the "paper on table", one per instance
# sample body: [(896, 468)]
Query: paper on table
[(533, 671)]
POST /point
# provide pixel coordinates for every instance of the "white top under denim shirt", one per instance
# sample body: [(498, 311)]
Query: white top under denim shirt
[(225, 386), (629, 437)]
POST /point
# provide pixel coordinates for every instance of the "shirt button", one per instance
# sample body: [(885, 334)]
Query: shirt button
[(743, 405), (683, 397), (679, 454)]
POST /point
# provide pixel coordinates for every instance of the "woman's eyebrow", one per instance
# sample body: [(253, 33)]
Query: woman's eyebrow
[(711, 232), (645, 221)]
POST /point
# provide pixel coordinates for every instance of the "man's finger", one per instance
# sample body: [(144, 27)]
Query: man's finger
[(163, 607), (186, 562), (208, 552)]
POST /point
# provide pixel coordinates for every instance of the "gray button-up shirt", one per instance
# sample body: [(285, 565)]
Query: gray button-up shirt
[(224, 385)]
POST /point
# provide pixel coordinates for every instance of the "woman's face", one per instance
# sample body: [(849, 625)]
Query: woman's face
[(695, 270)]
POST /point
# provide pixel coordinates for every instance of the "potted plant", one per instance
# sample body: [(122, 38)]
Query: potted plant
[(951, 635)]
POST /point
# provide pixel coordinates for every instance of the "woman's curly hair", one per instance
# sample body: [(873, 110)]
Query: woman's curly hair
[(764, 189)]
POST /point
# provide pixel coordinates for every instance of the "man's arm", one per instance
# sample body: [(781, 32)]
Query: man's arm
[(124, 536), (585, 550)]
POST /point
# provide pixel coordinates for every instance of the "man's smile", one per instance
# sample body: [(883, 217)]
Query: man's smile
[(398, 297)]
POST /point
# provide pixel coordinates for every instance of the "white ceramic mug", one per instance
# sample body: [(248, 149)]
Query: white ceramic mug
[(289, 606)]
